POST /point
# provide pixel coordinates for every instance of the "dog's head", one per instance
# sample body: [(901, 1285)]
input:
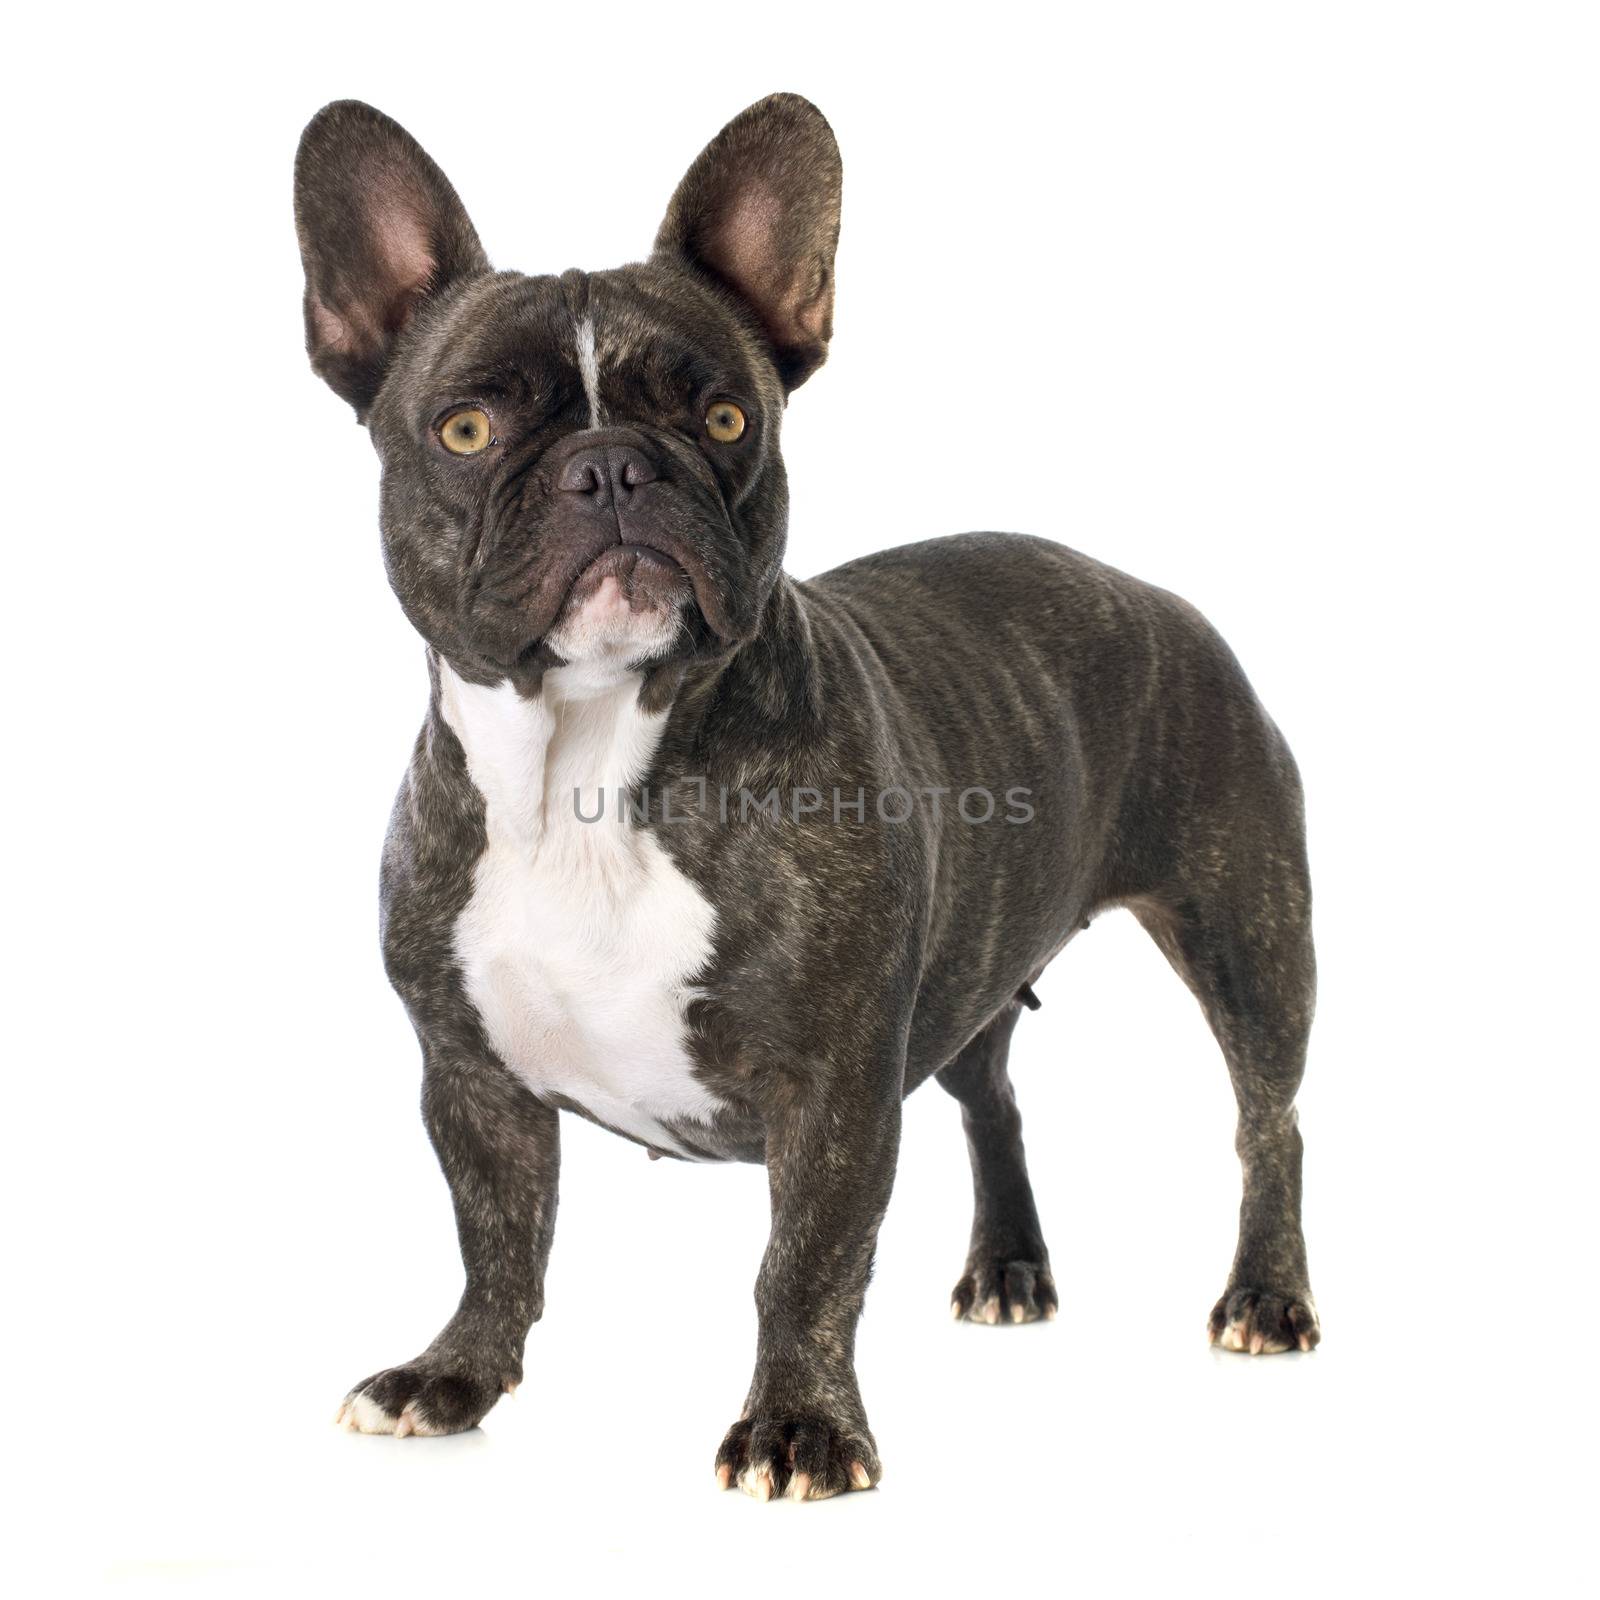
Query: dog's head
[(583, 466)]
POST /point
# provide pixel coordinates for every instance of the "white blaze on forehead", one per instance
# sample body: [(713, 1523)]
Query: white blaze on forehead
[(589, 367)]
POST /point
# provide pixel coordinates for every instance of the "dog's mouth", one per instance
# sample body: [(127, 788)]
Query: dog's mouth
[(655, 588), (626, 604), (641, 576), (663, 575)]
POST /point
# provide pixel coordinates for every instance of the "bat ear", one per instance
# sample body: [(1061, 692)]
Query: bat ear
[(380, 231), (758, 212)]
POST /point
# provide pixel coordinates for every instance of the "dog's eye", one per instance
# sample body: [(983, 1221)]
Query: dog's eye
[(466, 432), (724, 422)]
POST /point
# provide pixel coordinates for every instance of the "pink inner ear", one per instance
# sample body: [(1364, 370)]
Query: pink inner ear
[(749, 226), (400, 241), (329, 330), (744, 250), (399, 263), (812, 314)]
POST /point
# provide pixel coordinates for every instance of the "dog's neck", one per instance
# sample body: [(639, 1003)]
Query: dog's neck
[(538, 760), (541, 756)]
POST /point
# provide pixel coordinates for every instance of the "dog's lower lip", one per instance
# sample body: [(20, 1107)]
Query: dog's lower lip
[(648, 576), (647, 552), (628, 558), (664, 571)]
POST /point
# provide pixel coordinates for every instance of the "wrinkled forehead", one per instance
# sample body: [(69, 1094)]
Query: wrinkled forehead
[(635, 335)]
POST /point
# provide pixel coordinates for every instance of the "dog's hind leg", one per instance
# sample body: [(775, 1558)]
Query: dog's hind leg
[(1007, 1277), (1239, 935)]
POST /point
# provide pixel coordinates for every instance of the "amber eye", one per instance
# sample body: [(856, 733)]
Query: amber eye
[(724, 422), (466, 432)]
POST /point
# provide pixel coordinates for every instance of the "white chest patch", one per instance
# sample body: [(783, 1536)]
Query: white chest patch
[(582, 941)]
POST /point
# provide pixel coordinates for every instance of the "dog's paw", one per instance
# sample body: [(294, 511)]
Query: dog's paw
[(1262, 1322), (796, 1457), (419, 1399), (999, 1292)]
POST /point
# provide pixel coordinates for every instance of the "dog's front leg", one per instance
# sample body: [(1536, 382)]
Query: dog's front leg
[(831, 1149), (500, 1150)]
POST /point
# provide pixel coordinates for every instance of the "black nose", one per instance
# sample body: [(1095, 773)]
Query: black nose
[(606, 474)]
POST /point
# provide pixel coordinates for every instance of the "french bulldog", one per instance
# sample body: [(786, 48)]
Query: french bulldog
[(730, 863)]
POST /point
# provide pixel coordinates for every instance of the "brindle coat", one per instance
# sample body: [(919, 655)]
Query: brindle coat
[(855, 956)]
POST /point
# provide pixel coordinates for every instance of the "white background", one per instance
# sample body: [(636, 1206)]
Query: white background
[(1291, 309)]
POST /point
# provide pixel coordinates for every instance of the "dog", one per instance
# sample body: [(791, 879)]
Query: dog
[(851, 820)]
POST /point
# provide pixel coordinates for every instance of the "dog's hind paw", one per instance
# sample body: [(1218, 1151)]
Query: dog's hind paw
[(998, 1292), (1264, 1322)]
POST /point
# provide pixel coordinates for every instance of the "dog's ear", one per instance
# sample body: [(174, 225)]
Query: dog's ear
[(380, 230), (759, 213)]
